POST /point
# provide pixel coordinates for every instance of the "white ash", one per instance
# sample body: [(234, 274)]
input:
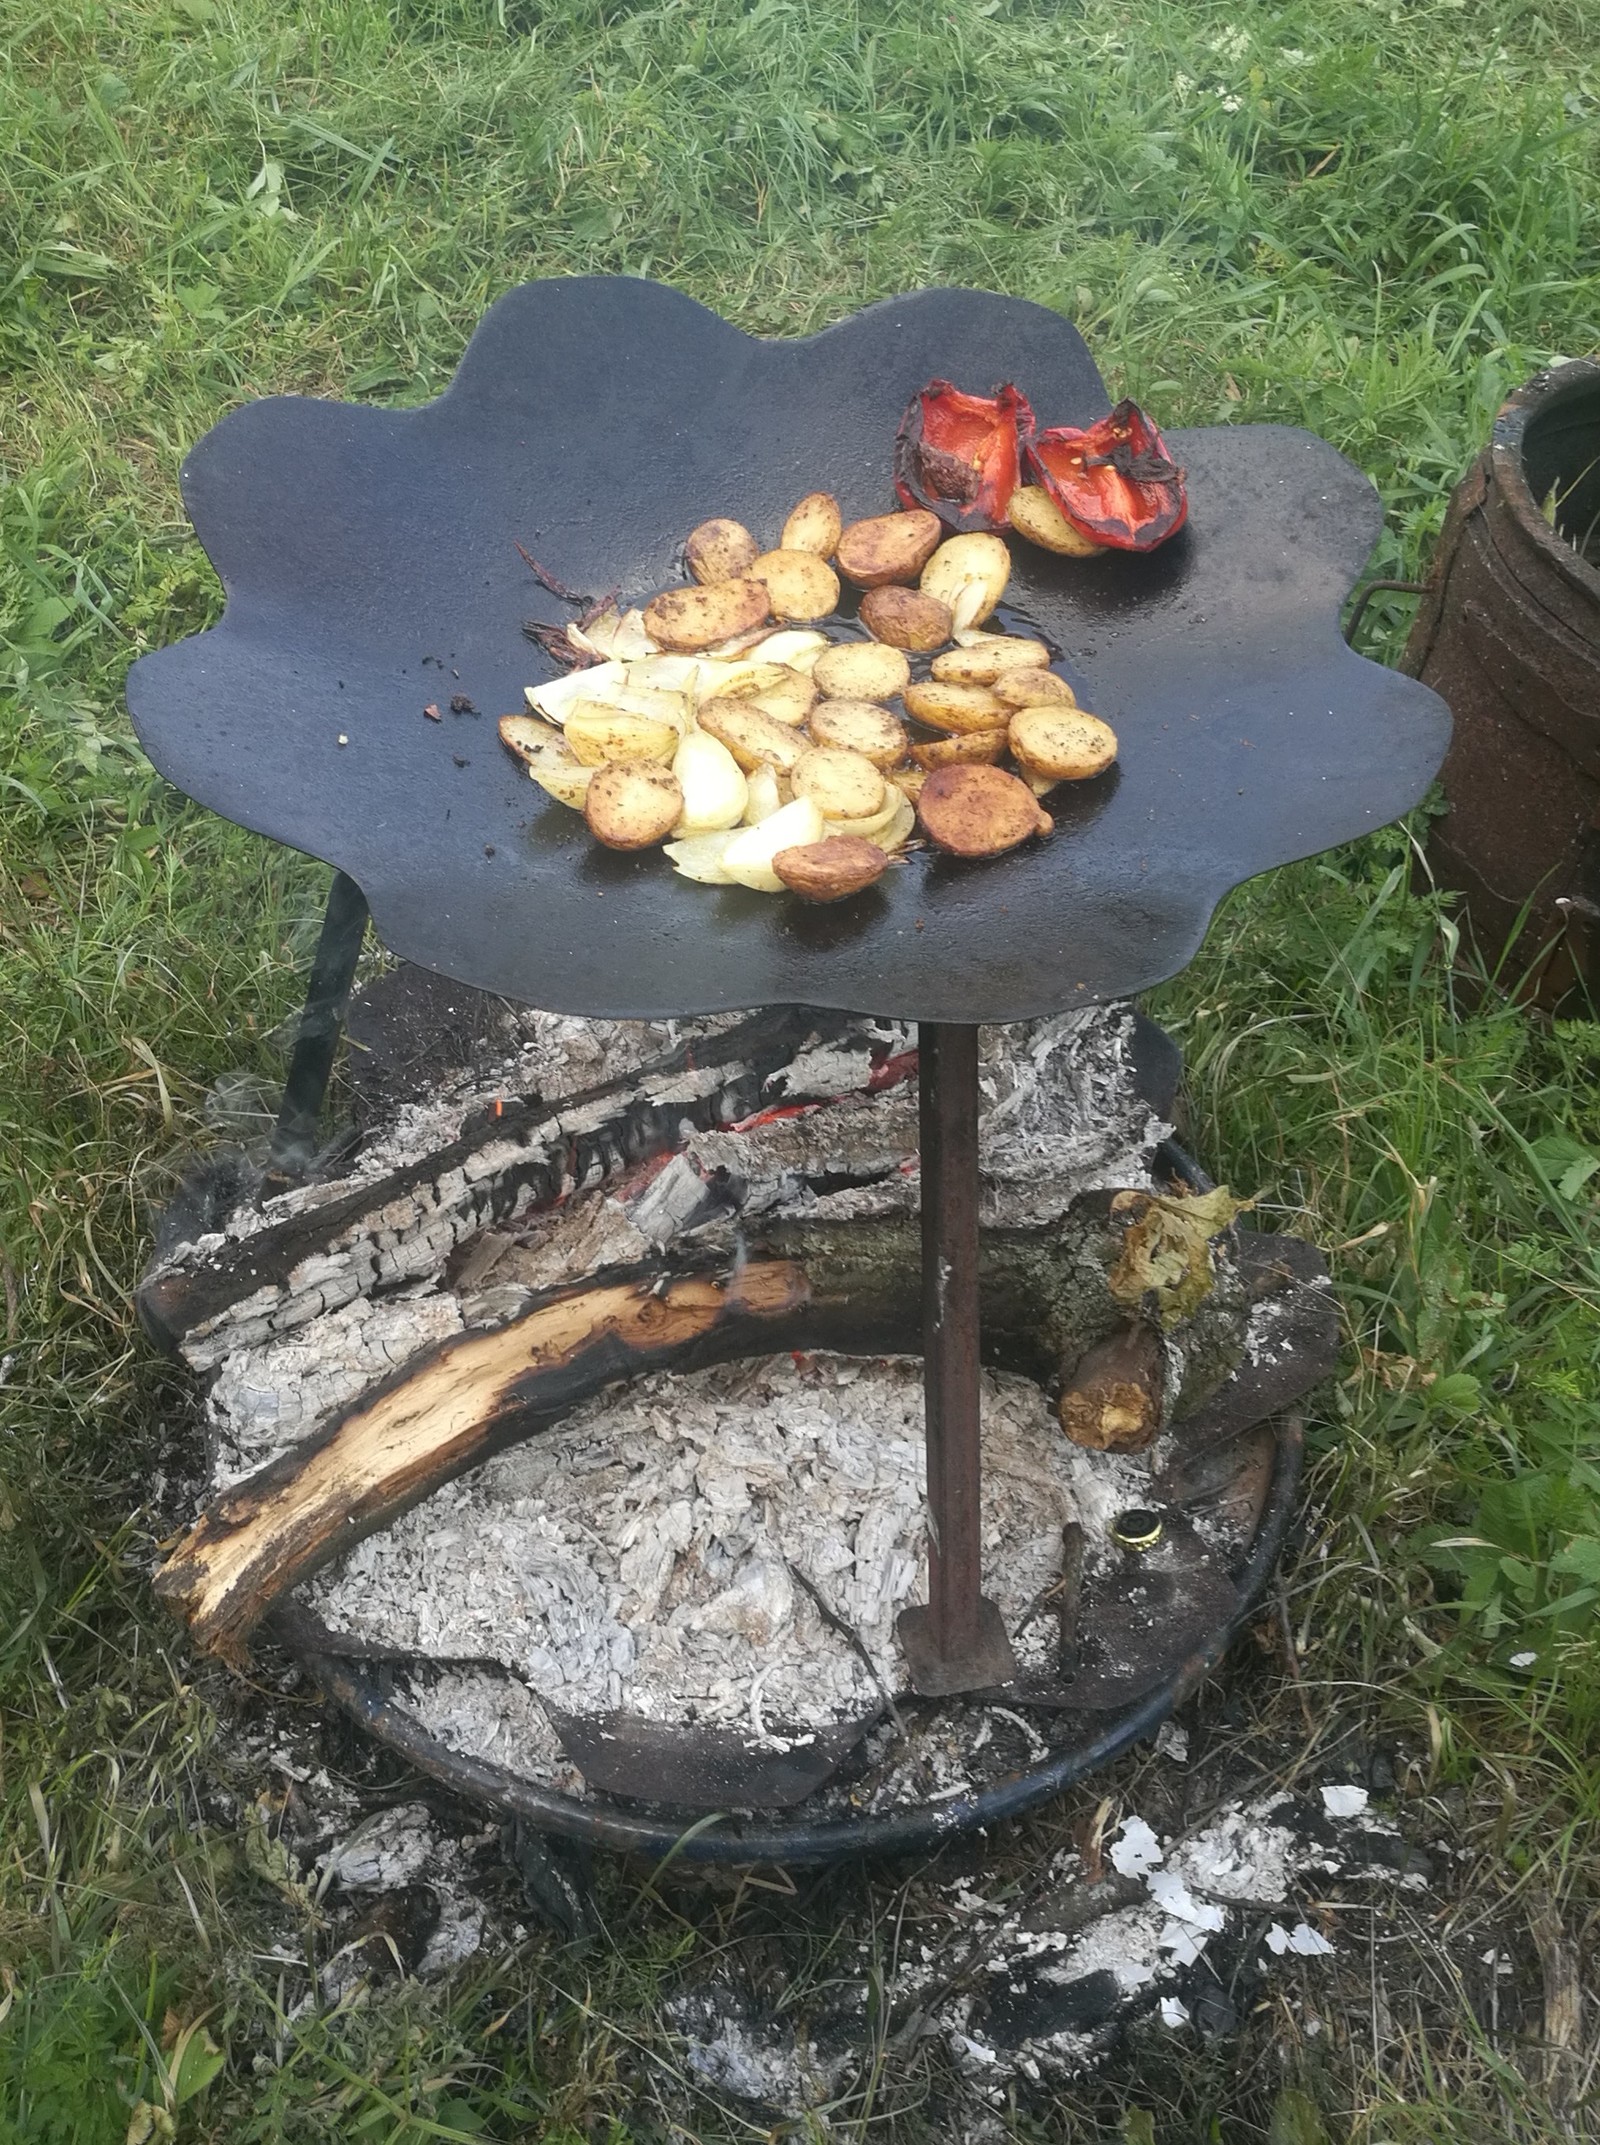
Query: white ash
[(1199, 1890), (484, 1713), (733, 2049), (658, 1550), (983, 1965), (1040, 1149), (269, 1397), (385, 1851)]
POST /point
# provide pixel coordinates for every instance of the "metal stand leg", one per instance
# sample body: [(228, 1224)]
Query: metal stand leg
[(958, 1642), (332, 971)]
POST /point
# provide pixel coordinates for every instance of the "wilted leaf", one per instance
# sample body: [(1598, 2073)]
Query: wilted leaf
[(1167, 1250), (1295, 2120)]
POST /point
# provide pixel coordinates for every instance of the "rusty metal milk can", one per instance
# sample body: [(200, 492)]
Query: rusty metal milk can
[(1509, 633)]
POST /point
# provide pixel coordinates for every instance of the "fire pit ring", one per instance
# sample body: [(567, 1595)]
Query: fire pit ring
[(914, 1831)]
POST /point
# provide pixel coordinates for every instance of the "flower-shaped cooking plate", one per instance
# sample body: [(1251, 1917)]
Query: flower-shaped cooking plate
[(370, 563)]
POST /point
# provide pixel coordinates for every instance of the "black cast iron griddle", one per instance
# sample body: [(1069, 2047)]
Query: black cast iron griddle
[(370, 567)]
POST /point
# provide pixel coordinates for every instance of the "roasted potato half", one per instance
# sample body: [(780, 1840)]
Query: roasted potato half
[(905, 618), (687, 619), (719, 550), (832, 869), (842, 785), (1062, 744), (815, 526), (955, 707), (632, 804), (754, 739), (860, 726), (887, 548), (972, 748), (1033, 689), (800, 586), (969, 574), (979, 811), (1035, 515), (988, 657), (861, 670)]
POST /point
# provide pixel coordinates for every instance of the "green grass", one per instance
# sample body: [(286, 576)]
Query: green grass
[(1366, 218)]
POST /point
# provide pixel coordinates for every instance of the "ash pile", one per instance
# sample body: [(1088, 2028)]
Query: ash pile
[(725, 1545)]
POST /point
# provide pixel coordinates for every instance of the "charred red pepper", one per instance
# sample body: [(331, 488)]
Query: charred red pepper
[(1115, 482), (959, 456)]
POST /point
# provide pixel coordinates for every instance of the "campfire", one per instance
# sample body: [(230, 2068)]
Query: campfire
[(697, 1577)]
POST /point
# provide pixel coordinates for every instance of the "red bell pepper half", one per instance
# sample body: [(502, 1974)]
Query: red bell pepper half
[(959, 456), (1115, 481)]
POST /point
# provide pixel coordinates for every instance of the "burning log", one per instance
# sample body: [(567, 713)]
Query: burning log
[(854, 1287), (1112, 1402)]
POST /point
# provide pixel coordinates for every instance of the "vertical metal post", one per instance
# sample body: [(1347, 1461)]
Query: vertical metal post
[(333, 969), (958, 1642)]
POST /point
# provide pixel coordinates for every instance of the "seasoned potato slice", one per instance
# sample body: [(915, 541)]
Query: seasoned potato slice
[(908, 781), (1035, 515), (814, 526), (687, 619), (861, 670), (747, 860), (987, 657), (842, 785), (905, 618), (596, 734), (752, 738), (715, 791), (531, 740), (631, 804), (979, 811), (1033, 689), (873, 825), (887, 548), (971, 749), (1062, 744), (969, 574), (832, 869), (860, 726), (955, 707), (799, 584), (719, 550)]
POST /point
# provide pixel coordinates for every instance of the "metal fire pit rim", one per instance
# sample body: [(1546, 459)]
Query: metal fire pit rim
[(1506, 442)]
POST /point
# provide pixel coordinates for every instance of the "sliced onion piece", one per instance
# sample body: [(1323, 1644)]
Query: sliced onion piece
[(699, 856), (554, 698), (764, 794), (748, 857), (714, 787)]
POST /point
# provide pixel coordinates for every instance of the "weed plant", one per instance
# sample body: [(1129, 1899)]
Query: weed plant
[(1367, 218)]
